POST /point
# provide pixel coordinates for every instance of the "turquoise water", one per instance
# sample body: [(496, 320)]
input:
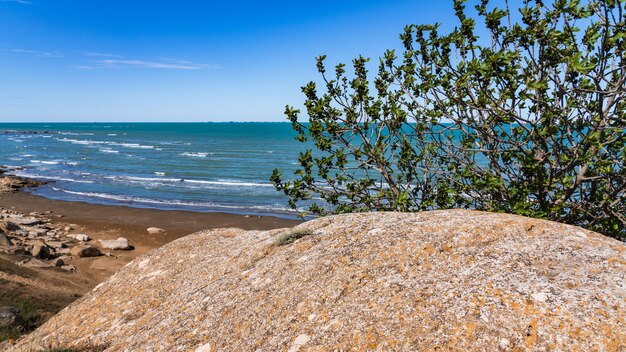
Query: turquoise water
[(190, 166)]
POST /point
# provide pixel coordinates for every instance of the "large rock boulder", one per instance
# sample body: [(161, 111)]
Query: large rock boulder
[(442, 280)]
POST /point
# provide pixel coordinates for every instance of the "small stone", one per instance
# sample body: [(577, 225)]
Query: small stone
[(40, 250), (85, 251), (155, 230), (69, 268), (57, 262), (120, 243), (67, 228), (82, 238), (79, 237)]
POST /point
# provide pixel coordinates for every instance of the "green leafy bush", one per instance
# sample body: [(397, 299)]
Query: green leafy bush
[(528, 119)]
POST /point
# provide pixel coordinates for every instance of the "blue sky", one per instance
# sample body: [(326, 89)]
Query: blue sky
[(63, 60)]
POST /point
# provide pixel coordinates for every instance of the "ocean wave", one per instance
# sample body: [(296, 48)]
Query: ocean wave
[(184, 180), (131, 145), (173, 202), (80, 142), (108, 150), (195, 155), (45, 162), (117, 144), (51, 178)]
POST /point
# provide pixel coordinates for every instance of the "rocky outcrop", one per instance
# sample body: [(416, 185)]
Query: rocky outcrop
[(10, 183), (442, 280), (34, 241)]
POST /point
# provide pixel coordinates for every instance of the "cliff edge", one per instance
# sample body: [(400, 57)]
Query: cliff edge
[(454, 279)]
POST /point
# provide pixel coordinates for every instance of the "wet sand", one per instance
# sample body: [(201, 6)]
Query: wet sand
[(133, 222)]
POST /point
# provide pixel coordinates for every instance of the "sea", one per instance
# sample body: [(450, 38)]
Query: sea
[(204, 167)]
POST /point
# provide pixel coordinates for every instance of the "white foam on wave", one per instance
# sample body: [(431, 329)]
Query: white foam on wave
[(117, 144), (184, 180), (195, 155), (132, 145), (173, 202), (108, 150), (52, 178), (80, 142)]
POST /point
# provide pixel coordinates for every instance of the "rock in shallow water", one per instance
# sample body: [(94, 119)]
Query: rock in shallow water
[(453, 280)]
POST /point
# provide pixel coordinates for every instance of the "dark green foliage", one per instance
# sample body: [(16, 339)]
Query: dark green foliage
[(291, 236), (529, 120)]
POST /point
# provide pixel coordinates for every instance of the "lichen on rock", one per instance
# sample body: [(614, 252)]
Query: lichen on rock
[(453, 279)]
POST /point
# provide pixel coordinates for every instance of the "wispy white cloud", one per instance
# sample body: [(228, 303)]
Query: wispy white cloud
[(24, 2), (37, 53), (172, 64), (96, 54)]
